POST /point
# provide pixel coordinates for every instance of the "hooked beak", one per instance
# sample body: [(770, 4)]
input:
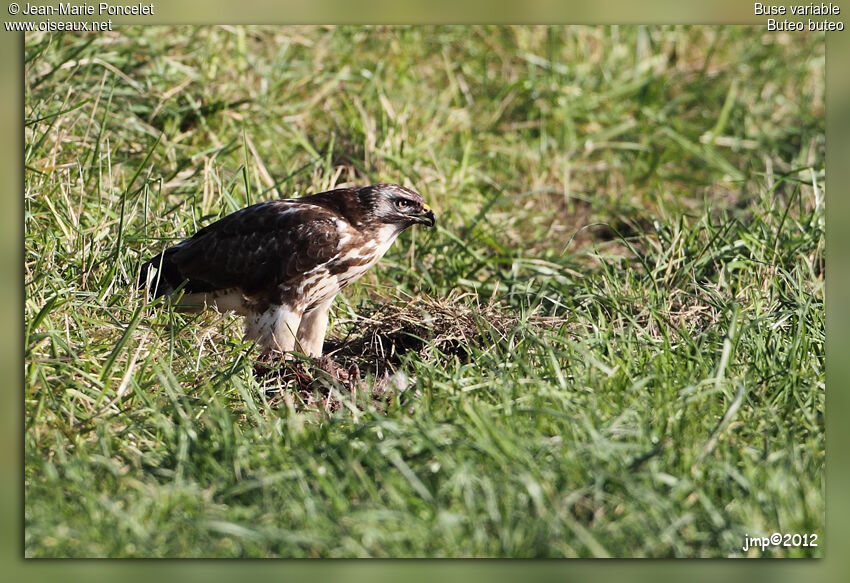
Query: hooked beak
[(426, 217)]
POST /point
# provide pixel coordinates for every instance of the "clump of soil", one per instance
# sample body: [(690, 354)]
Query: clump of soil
[(376, 344), (424, 326)]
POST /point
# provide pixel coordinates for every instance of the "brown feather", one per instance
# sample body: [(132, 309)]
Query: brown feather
[(280, 261)]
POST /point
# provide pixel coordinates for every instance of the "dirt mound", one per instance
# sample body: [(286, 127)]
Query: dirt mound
[(375, 347), (424, 326)]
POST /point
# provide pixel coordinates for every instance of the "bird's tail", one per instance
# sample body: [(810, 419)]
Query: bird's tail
[(160, 274)]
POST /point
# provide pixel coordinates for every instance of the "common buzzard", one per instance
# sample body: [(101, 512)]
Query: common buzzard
[(281, 263)]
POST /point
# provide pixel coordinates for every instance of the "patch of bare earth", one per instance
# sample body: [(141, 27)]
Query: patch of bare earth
[(366, 365)]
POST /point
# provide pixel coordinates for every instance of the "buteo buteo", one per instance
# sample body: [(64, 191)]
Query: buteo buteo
[(281, 263)]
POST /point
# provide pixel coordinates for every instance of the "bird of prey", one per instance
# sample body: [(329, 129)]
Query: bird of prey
[(281, 263)]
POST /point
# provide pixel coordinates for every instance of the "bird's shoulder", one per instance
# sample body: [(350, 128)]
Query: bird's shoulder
[(275, 216)]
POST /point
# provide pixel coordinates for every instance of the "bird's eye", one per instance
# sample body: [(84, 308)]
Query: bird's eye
[(402, 204)]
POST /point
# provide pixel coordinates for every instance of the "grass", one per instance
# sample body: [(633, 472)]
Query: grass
[(613, 342)]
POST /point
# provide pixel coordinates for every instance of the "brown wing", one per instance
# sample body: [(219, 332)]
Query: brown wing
[(257, 247)]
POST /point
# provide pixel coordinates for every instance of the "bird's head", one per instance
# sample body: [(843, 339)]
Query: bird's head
[(395, 205)]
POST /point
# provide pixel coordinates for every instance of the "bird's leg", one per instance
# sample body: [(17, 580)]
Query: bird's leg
[(283, 332), (314, 325), (273, 329)]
